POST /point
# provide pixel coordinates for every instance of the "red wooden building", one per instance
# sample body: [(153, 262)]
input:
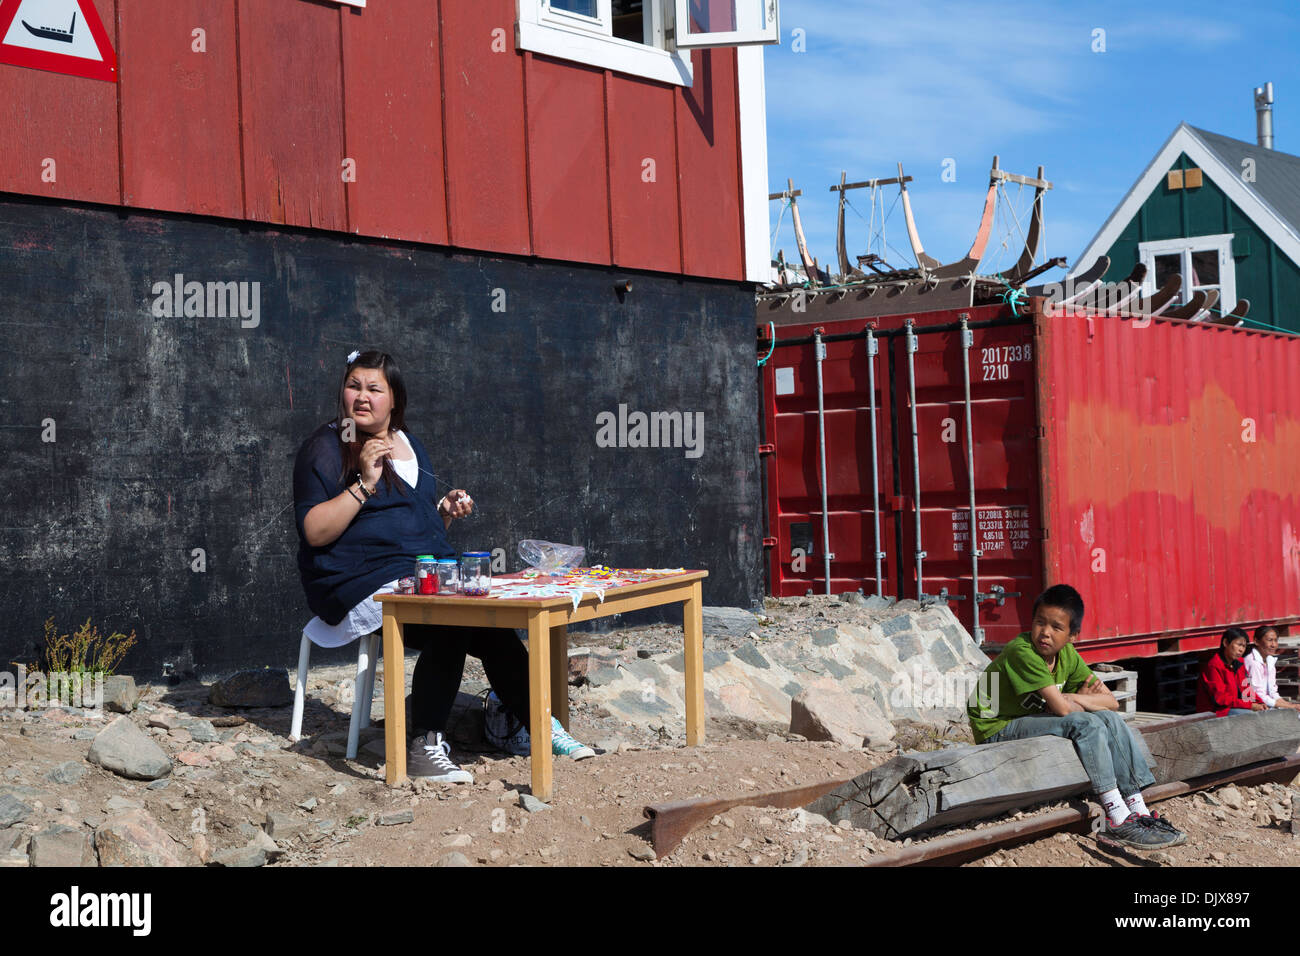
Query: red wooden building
[(470, 184), (505, 126)]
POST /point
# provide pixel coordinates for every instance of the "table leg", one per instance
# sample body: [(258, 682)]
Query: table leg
[(560, 673), (539, 701), (693, 655), (394, 701)]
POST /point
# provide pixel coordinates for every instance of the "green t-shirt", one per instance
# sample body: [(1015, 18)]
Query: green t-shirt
[(1009, 686)]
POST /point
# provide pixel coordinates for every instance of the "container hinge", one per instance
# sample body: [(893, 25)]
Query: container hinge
[(913, 342), (821, 351), (967, 338), (873, 347), (769, 542), (1039, 432), (767, 448)]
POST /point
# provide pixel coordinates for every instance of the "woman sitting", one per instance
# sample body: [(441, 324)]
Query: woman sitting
[(366, 506), (1261, 669), (1223, 686)]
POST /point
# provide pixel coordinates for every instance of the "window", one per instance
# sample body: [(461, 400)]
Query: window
[(1204, 262), (638, 36)]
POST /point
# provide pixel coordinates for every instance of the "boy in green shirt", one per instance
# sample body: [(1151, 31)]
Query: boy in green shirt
[(1040, 686)]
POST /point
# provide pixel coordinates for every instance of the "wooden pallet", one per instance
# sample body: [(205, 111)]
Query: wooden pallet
[(1123, 684)]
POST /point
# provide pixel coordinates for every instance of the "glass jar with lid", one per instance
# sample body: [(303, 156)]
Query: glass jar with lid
[(475, 573), (448, 576)]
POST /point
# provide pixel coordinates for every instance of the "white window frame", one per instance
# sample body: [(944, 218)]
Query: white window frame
[(570, 36), (770, 32), (1184, 247)]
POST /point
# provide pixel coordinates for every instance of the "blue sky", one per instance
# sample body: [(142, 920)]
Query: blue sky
[(931, 80)]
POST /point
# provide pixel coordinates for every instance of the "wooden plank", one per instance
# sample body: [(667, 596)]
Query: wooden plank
[(917, 792), (864, 184), (693, 658), (645, 226), (393, 112), (67, 119), (568, 190), (1210, 746), (707, 131), (539, 703), (292, 113), (487, 184), (394, 700), (180, 108), (560, 673)]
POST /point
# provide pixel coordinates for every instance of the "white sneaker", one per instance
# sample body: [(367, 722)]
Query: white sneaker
[(430, 758)]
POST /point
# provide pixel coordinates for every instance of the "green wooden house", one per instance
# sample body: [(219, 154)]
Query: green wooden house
[(1222, 212)]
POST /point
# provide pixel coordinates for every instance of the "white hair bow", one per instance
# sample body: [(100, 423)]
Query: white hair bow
[(352, 356)]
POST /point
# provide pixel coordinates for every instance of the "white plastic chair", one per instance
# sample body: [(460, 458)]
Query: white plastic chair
[(363, 689)]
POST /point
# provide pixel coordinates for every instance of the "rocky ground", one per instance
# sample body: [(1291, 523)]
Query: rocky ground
[(221, 784)]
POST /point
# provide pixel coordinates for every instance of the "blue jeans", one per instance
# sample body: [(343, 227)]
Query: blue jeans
[(1106, 746)]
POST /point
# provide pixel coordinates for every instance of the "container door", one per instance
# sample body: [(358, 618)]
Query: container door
[(799, 539), (1008, 521)]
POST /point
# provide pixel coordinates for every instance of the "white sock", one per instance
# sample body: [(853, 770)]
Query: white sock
[(1114, 806), (1137, 805)]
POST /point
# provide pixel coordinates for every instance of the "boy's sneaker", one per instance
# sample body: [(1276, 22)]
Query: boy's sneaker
[(1139, 833), (431, 759), (563, 745), (1156, 822)]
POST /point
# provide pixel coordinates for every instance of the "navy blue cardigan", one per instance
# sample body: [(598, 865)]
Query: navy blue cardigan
[(381, 543)]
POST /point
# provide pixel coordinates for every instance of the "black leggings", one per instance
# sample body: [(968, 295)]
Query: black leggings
[(438, 672)]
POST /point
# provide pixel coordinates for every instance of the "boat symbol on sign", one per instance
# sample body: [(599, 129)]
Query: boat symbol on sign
[(53, 33)]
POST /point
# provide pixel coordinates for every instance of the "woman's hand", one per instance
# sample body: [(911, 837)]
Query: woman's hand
[(455, 504), (373, 453)]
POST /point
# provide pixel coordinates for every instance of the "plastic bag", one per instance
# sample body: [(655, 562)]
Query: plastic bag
[(549, 557)]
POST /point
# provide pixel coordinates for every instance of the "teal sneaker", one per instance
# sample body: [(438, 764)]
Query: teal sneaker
[(563, 745)]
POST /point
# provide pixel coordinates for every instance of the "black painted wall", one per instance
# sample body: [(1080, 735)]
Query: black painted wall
[(177, 433)]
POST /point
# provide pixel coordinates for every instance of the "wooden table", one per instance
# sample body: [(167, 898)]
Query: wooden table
[(547, 621)]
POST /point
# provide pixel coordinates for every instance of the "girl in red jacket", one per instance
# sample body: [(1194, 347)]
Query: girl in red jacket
[(1224, 685)]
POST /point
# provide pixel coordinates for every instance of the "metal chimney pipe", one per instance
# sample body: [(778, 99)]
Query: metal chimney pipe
[(1264, 115)]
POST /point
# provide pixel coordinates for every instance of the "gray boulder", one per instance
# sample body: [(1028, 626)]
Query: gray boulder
[(123, 748), (253, 688), (821, 713), (61, 845), (134, 838), (729, 621), (66, 773), (120, 694), (12, 810)]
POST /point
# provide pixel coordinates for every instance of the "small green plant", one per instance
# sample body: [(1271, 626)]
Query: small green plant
[(81, 655), (356, 820)]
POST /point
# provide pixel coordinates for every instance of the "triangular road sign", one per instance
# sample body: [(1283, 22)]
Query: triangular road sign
[(62, 36)]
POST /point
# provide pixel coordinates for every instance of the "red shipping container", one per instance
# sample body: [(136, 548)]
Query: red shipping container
[(1154, 465)]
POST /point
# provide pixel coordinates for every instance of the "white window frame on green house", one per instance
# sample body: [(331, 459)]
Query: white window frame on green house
[(543, 27), (1184, 247)]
